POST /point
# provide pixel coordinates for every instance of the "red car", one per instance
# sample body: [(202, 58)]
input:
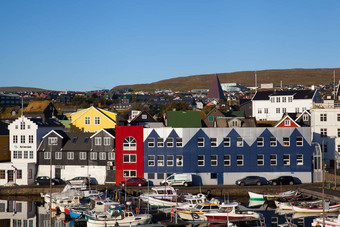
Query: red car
[(134, 181)]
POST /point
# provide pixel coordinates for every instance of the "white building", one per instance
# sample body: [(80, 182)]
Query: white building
[(25, 135), (325, 127), (271, 105), (17, 213)]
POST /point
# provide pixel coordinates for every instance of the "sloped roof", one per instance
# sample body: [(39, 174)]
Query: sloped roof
[(215, 90), (37, 106), (183, 118), (298, 94), (234, 114), (78, 141)]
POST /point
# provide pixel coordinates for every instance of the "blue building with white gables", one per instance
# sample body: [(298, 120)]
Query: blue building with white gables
[(223, 155)]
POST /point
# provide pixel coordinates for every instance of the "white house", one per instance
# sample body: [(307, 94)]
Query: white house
[(17, 213), (25, 135), (271, 105)]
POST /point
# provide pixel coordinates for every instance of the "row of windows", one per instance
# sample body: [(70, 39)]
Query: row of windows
[(323, 117), (19, 223), (23, 155), (22, 126), (82, 155), (87, 120), (226, 142), (281, 99), (226, 160), (23, 139), (18, 176), (98, 141)]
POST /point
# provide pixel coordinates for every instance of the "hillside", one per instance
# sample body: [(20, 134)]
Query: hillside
[(287, 76), (20, 89)]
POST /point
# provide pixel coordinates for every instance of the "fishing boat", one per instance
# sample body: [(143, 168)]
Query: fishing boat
[(161, 192), (261, 196), (230, 212), (289, 205), (329, 221), (197, 213), (316, 209), (255, 196)]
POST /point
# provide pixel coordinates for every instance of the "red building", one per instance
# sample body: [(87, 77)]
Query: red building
[(129, 152)]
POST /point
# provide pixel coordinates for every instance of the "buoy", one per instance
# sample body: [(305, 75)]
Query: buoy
[(172, 212)]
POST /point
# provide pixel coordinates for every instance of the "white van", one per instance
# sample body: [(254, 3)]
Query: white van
[(184, 179)]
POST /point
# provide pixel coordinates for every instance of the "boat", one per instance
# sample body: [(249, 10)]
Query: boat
[(197, 213), (329, 221), (261, 196), (316, 209), (230, 212), (256, 196), (160, 192), (289, 205), (180, 201), (116, 216)]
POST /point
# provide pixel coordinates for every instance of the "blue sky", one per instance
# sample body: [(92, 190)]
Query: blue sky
[(87, 45)]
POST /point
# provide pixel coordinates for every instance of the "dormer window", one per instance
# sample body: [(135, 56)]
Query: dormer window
[(290, 99), (22, 125), (305, 117)]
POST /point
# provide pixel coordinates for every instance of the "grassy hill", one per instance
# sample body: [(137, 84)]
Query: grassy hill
[(20, 89), (287, 76)]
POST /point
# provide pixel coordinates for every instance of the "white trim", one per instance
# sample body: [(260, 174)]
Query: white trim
[(284, 118), (100, 131), (98, 110), (54, 132)]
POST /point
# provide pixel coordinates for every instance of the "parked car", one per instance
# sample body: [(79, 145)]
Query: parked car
[(282, 180), (45, 180), (251, 180), (79, 180), (184, 179), (134, 181)]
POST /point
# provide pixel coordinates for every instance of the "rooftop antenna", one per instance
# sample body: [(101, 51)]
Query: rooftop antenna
[(334, 85), (255, 80), (281, 84), (22, 106)]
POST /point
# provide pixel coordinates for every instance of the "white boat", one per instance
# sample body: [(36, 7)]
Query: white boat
[(197, 213), (261, 196), (161, 192), (329, 221), (289, 205), (255, 196), (229, 212), (115, 216), (318, 209)]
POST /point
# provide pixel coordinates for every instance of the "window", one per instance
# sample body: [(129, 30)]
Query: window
[(200, 160), (151, 142), (151, 176), (25, 154), (2, 174), (213, 160), (200, 142), (93, 155), (151, 160), (239, 142), (170, 160), (30, 173), (179, 142), (338, 117), (260, 160), (284, 110), (260, 141), (277, 110), (129, 143), (290, 99), (286, 159), (305, 117), (213, 175), (323, 117), (213, 142), (22, 125), (160, 160), (22, 138), (286, 141), (170, 142), (338, 132), (82, 155), (111, 156), (97, 120), (58, 155), (31, 154), (129, 158), (160, 176), (102, 155), (129, 173), (299, 141), (87, 120), (226, 160), (297, 109), (239, 160), (47, 155), (15, 154), (325, 148), (287, 123), (52, 140), (106, 141), (160, 142), (299, 159), (273, 142), (15, 139), (19, 174), (97, 141), (70, 155), (211, 118), (226, 142), (272, 99), (284, 99), (19, 154), (265, 110), (179, 160), (144, 117), (273, 159), (259, 111), (30, 138), (323, 132), (277, 99)]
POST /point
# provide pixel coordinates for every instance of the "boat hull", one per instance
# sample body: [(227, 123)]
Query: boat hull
[(333, 208), (140, 220)]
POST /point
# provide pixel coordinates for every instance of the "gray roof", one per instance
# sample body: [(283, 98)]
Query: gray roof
[(78, 141), (298, 94)]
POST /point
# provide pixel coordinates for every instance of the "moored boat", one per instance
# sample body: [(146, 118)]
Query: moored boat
[(329, 222), (316, 209), (197, 213)]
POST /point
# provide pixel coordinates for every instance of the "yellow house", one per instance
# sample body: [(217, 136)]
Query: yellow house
[(92, 119)]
